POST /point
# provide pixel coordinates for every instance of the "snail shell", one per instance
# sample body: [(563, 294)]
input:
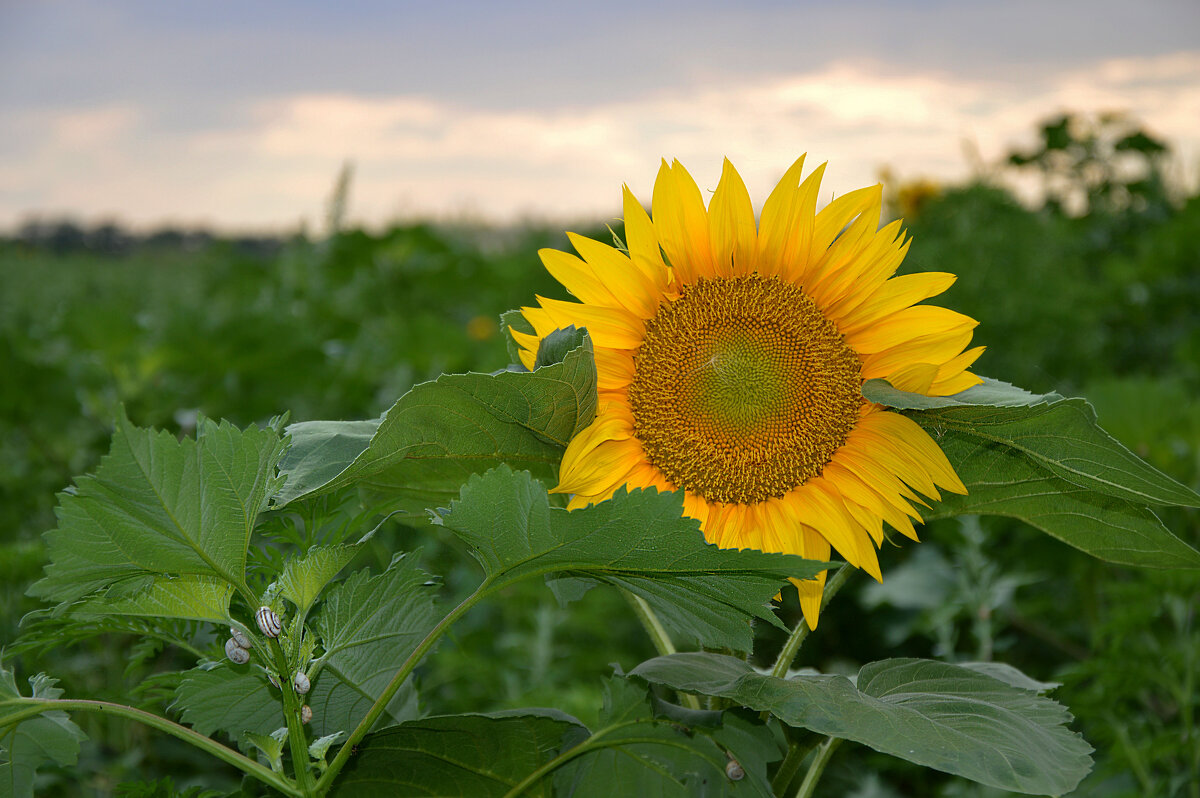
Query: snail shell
[(734, 770), (237, 655), (241, 638), (268, 621), (305, 713), (301, 683)]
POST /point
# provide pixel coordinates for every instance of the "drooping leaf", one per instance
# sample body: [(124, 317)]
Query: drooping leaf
[(1044, 460), (1064, 439), (304, 578), (639, 541), (1003, 481), (190, 597), (25, 745), (942, 716), (368, 626), (458, 755), (158, 506), (234, 699), (441, 432), (631, 752)]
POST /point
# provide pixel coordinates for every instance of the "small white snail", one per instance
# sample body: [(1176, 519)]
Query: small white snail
[(301, 683), (305, 713), (237, 655), (241, 638), (268, 621), (734, 770)]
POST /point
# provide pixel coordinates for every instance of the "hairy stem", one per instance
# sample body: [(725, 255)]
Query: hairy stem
[(820, 760), (658, 636), (297, 739), (788, 654), (389, 692), (37, 706)]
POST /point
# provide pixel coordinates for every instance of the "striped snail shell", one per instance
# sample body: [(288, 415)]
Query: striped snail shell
[(237, 655), (301, 683), (305, 713), (268, 621), (241, 638), (734, 770)]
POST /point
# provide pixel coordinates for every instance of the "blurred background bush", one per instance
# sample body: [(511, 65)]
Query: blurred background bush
[(1094, 292)]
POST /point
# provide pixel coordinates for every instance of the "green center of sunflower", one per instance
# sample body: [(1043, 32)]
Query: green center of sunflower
[(742, 389)]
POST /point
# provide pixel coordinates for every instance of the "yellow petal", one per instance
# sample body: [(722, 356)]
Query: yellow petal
[(628, 286), (907, 324), (614, 368), (923, 349), (815, 547), (642, 241), (731, 225), (839, 213), (597, 463), (914, 378), (952, 385), (894, 295), (529, 346), (612, 328), (681, 223), (788, 220), (875, 259), (578, 278), (913, 443)]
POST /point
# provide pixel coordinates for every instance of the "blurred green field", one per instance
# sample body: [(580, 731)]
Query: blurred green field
[(1098, 300)]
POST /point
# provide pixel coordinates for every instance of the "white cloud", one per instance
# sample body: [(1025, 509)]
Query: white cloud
[(418, 155)]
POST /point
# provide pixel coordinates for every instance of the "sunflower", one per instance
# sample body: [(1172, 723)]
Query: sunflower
[(730, 359)]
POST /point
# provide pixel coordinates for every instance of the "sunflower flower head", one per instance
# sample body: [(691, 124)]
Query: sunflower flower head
[(730, 359)]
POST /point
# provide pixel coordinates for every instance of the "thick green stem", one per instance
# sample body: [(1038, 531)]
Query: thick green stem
[(658, 636), (37, 706), (820, 760), (380, 705), (791, 763), (792, 646), (297, 739)]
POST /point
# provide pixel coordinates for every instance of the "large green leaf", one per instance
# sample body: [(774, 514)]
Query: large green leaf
[(368, 626), (50, 737), (1044, 460), (946, 717), (234, 699), (458, 755), (639, 541), (441, 432), (158, 506), (191, 597), (1003, 482), (1064, 439), (632, 752)]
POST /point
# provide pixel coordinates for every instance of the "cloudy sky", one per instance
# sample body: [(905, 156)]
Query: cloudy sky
[(241, 114)]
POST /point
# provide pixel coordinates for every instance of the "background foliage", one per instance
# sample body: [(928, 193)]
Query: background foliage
[(1092, 294)]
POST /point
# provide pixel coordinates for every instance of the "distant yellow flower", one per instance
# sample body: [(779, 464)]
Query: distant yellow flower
[(731, 360)]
